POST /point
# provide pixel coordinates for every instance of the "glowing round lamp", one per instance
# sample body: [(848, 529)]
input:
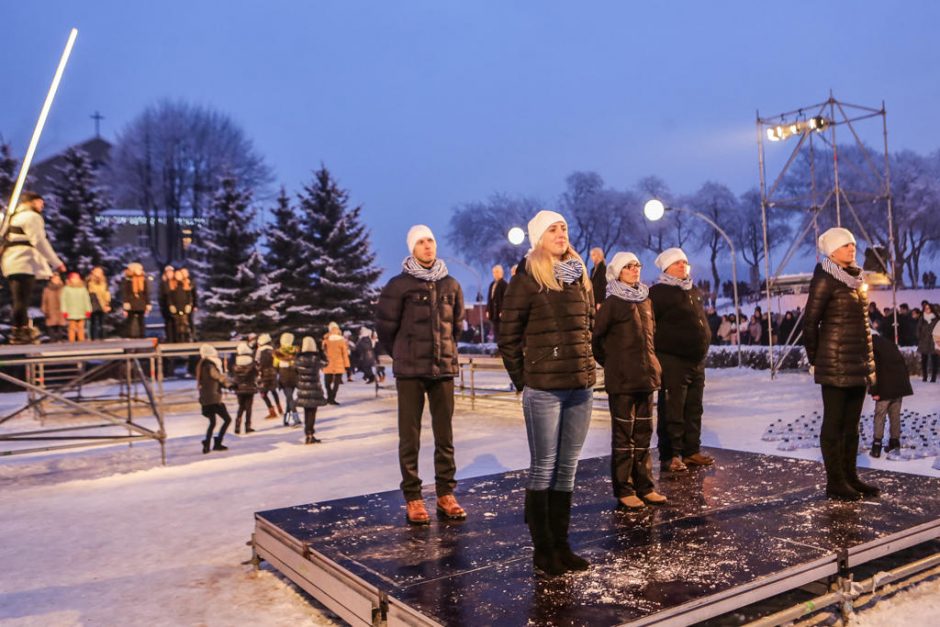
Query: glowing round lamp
[(654, 210), (516, 235)]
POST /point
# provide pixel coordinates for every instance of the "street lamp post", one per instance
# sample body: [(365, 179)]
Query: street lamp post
[(655, 209)]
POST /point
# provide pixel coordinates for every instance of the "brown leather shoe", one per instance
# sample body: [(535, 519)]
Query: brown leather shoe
[(631, 502), (699, 459), (676, 465), (417, 513), (654, 498), (272, 414), (447, 507)]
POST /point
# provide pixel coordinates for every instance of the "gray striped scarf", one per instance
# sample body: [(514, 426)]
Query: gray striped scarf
[(627, 292), (668, 279), (569, 271), (839, 274), (435, 273)]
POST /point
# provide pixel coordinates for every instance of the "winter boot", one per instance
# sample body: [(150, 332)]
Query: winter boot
[(850, 461), (218, 445), (836, 486), (277, 402), (544, 558), (876, 448), (272, 414), (893, 445), (238, 425), (308, 439), (205, 446), (559, 515)]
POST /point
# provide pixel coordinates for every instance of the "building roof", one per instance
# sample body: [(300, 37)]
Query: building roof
[(45, 173)]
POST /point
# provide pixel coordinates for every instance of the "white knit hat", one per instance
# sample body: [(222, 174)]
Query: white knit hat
[(243, 349), (618, 263), (207, 351), (669, 257), (540, 223), (308, 345), (418, 232), (833, 239), (263, 339), (287, 339)]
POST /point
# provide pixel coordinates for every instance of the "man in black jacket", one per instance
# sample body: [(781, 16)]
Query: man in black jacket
[(494, 299), (682, 338), (598, 276), (418, 319)]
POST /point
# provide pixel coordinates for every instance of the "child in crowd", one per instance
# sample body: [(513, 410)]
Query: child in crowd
[(52, 309), (97, 284), (267, 375), (245, 375), (76, 305), (309, 391), (284, 361), (892, 383), (210, 380)]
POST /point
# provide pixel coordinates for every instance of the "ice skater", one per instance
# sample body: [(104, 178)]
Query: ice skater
[(210, 380), (309, 391), (284, 358), (245, 377), (838, 346), (623, 345), (267, 376), (545, 343)]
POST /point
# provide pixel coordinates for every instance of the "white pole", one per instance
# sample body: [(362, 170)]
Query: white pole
[(50, 96)]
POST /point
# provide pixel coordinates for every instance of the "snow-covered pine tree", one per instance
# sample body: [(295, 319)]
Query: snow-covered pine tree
[(287, 266), (234, 296), (343, 270), (7, 173)]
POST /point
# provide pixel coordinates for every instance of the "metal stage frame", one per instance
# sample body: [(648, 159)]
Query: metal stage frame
[(92, 359), (746, 529)]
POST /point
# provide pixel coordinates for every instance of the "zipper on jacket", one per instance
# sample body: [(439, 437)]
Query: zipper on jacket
[(553, 352)]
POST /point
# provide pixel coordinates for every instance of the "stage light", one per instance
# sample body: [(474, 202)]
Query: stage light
[(516, 236), (654, 209), (785, 131)]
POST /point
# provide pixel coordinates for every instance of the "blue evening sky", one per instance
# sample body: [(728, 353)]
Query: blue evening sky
[(417, 106)]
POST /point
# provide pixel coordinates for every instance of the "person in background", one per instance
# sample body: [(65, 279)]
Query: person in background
[(210, 380), (365, 354), (267, 376), (892, 384), (135, 296), (929, 360), (494, 299), (336, 349), (97, 284), (180, 305), (309, 391), (167, 283), (52, 309), (284, 361), (245, 377), (189, 285), (76, 305), (598, 276)]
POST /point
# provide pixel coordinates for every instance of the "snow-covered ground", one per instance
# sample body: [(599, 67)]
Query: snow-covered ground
[(108, 536)]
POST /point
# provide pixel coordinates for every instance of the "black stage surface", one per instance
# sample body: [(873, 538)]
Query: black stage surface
[(745, 529)]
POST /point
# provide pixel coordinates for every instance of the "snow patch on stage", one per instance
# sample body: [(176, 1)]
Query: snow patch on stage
[(749, 527)]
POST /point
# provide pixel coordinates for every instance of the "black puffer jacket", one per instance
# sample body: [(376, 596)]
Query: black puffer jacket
[(545, 336), (891, 377), (245, 375), (267, 379), (623, 344), (836, 332), (309, 389), (420, 321), (681, 325)]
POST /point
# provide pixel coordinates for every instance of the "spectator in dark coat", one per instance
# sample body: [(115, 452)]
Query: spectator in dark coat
[(135, 296), (838, 347), (210, 380), (598, 276), (245, 376), (682, 339), (284, 358), (787, 325), (929, 359), (310, 394), (623, 345), (907, 326), (180, 305), (892, 383), (418, 318), (267, 376), (365, 354), (167, 282), (494, 300)]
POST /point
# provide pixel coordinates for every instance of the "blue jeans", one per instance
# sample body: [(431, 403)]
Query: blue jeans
[(556, 423)]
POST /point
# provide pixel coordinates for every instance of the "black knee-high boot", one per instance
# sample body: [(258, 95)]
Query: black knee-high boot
[(545, 558), (850, 461), (836, 485), (559, 516)]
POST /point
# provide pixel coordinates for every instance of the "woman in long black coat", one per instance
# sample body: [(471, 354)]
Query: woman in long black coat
[(310, 394), (838, 345), (623, 345)]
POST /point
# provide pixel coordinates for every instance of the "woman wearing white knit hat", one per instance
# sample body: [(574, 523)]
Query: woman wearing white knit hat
[(623, 345), (545, 343), (837, 338)]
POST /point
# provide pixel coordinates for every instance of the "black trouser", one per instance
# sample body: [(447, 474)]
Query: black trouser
[(332, 382), (97, 325), (21, 291), (631, 423), (310, 419), (181, 328), (57, 333), (931, 360), (440, 395), (210, 412), (495, 324), (838, 437), (135, 324), (680, 407), (267, 401), (169, 325), (244, 408)]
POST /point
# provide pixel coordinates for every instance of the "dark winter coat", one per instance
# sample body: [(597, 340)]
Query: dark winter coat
[(135, 301), (163, 295), (599, 281), (836, 332), (309, 390), (494, 299), (210, 382), (245, 377), (545, 335), (623, 344), (681, 325), (179, 301), (907, 330), (267, 373), (925, 341), (420, 321), (891, 377), (285, 360), (365, 353)]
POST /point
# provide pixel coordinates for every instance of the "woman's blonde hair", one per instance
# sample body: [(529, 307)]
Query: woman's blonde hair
[(541, 267)]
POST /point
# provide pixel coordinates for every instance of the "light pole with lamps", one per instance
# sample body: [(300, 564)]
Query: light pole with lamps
[(654, 210)]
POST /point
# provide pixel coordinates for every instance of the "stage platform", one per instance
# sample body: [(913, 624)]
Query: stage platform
[(748, 528)]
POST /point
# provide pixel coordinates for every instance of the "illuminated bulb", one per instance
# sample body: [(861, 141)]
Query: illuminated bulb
[(654, 209), (516, 235)]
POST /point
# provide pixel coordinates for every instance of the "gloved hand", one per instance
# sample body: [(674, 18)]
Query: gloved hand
[(88, 314)]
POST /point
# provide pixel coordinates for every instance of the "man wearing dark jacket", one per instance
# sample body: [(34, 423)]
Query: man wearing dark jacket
[(418, 319), (681, 340), (494, 299), (598, 276)]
